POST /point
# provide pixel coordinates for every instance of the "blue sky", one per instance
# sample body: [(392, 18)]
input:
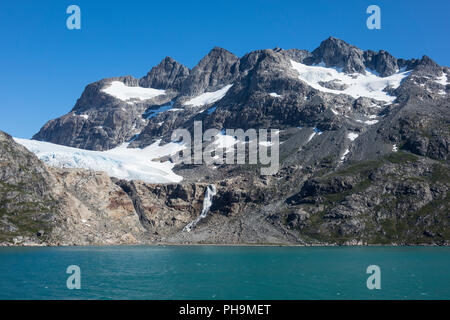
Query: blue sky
[(45, 66)]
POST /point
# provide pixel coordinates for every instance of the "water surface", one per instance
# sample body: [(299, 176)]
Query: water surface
[(217, 272)]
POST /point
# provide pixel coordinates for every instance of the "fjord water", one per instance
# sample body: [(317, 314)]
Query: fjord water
[(219, 272)]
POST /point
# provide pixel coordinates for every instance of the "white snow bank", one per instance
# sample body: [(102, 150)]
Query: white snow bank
[(345, 153), (208, 97), (122, 92), (370, 122), (359, 85), (352, 136), (266, 143), (311, 136), (120, 162), (442, 80), (153, 113), (223, 141)]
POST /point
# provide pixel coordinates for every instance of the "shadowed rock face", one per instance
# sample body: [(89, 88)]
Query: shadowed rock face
[(216, 70), (382, 62), (27, 208), (169, 74), (337, 53), (353, 170)]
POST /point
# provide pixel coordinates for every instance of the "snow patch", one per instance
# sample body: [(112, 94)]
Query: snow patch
[(442, 80), (266, 143), (311, 136), (358, 85), (208, 97), (153, 113), (119, 90), (370, 122), (224, 141), (352, 136), (345, 153)]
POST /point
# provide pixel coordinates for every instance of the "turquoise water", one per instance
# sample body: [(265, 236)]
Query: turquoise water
[(214, 272)]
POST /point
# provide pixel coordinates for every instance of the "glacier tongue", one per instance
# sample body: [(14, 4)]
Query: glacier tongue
[(207, 203), (120, 162)]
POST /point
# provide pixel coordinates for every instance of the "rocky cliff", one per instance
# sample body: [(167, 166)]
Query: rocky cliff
[(41, 205)]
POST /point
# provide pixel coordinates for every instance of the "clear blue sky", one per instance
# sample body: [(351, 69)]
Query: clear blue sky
[(45, 67)]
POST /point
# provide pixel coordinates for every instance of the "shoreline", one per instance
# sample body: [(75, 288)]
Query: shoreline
[(223, 245)]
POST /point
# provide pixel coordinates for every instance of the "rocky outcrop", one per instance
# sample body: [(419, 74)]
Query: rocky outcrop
[(216, 70), (98, 120), (382, 62), (28, 208), (399, 199), (337, 53), (169, 74), (93, 210), (47, 206)]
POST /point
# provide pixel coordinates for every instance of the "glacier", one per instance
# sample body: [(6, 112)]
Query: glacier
[(121, 162)]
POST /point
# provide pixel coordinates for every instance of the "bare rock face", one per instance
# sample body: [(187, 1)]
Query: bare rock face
[(169, 74), (391, 200), (46, 206), (95, 210), (337, 53), (382, 62), (28, 208), (165, 209), (216, 70)]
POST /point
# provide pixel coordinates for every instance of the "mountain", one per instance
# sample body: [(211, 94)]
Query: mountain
[(364, 144)]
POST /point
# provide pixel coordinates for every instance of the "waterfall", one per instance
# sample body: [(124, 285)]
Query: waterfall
[(207, 202)]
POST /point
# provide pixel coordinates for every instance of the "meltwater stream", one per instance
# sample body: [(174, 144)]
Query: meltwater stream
[(207, 203)]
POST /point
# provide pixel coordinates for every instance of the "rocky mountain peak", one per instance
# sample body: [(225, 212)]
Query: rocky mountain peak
[(168, 74), (338, 53), (382, 62), (427, 66), (217, 69)]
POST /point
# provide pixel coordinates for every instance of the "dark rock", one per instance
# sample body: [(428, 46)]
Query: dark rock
[(169, 74), (337, 53)]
